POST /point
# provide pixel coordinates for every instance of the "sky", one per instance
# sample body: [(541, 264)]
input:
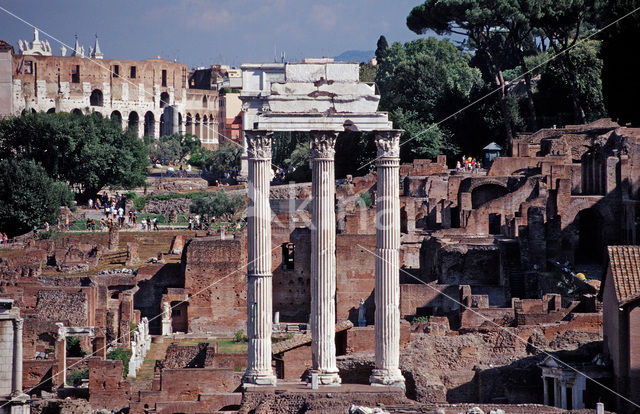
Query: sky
[(205, 32)]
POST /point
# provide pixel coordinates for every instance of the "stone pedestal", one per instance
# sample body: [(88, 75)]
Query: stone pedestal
[(259, 293), (166, 319), (387, 263), (323, 258)]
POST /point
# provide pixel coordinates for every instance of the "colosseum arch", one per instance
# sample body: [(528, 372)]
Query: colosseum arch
[(134, 120), (116, 116), (76, 111), (164, 100), (189, 124), (205, 129), (197, 131), (149, 124), (96, 98), (51, 111)]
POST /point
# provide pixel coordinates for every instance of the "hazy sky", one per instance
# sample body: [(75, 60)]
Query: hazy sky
[(202, 32)]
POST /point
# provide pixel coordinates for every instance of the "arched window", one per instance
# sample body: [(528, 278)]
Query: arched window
[(149, 124), (204, 101), (134, 120), (96, 98), (76, 112), (164, 99), (116, 116)]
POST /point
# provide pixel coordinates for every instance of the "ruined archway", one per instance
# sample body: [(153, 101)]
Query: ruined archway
[(189, 124), (149, 124), (482, 194), (96, 98), (116, 116), (205, 128), (164, 99), (134, 120)]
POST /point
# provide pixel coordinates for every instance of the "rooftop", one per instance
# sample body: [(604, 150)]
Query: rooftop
[(624, 262)]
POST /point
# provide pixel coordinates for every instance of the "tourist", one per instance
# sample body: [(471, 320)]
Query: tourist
[(148, 223), (58, 222), (102, 224), (5, 238), (91, 203), (190, 222), (66, 222), (155, 223)]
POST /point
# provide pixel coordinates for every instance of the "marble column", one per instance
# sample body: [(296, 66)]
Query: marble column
[(16, 385), (259, 296), (387, 263), (323, 258)]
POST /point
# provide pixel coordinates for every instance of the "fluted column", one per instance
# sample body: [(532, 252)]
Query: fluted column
[(259, 297), (323, 258), (387, 264), (16, 385)]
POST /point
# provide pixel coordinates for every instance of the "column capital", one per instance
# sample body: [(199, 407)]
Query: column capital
[(388, 143), (323, 144), (18, 323), (259, 145)]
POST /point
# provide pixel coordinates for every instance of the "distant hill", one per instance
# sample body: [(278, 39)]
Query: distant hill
[(355, 56)]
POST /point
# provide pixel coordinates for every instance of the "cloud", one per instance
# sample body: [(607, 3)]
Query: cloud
[(324, 17)]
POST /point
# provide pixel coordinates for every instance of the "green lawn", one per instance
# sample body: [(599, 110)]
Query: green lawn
[(225, 345)]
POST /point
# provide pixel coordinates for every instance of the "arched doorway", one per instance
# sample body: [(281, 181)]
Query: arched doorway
[(180, 128), (485, 193), (197, 132), (189, 124), (51, 111), (134, 120), (76, 112), (116, 117), (149, 124), (163, 127), (164, 99), (205, 129), (96, 98), (204, 101)]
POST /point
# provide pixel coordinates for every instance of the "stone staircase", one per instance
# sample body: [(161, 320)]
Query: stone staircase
[(144, 375)]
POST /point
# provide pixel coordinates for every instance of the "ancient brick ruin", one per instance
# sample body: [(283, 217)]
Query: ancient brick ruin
[(488, 283)]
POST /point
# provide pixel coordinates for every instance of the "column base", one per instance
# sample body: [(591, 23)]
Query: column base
[(19, 397), (326, 377), (253, 379), (387, 378)]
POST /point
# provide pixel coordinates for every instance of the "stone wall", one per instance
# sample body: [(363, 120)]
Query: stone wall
[(216, 281), (107, 388)]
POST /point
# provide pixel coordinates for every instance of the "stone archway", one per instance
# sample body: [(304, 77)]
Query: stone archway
[(485, 193), (149, 124), (116, 116), (134, 121), (590, 243), (96, 98), (164, 99)]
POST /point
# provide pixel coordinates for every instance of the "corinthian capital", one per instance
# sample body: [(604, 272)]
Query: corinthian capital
[(258, 144), (17, 323), (388, 143), (323, 144)]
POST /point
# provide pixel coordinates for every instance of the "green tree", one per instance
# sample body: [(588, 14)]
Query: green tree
[(477, 20), (422, 82), (223, 159), (28, 196), (88, 152), (554, 91), (219, 204), (175, 147), (563, 22)]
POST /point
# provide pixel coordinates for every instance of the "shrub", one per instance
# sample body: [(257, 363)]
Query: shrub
[(75, 377), (239, 336), (123, 355), (419, 319)]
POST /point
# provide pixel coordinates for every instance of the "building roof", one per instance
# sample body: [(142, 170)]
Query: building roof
[(5, 46), (492, 147), (624, 262)]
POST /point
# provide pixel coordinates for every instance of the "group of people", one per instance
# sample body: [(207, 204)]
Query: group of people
[(198, 222), (4, 239), (468, 164)]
